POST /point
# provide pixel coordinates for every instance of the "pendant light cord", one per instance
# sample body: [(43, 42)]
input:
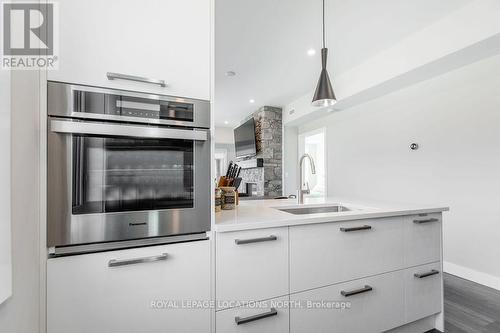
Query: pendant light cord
[(324, 24)]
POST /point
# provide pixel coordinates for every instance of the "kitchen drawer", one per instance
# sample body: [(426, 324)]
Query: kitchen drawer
[(329, 253), (261, 317), (423, 291), (371, 311), (422, 239), (101, 293), (252, 265)]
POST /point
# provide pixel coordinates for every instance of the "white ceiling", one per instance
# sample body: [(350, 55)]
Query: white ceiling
[(266, 41)]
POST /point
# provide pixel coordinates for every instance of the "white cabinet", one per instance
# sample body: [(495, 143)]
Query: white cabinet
[(363, 276), (369, 305), (422, 239), (328, 253), (160, 39), (268, 316), (5, 235), (130, 291), (423, 291), (251, 265)]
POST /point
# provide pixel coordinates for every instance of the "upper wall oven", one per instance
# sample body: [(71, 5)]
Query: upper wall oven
[(125, 166)]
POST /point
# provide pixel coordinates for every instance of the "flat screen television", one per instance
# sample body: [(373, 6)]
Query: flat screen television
[(244, 140)]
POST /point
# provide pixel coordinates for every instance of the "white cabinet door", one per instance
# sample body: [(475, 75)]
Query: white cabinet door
[(251, 265), (160, 39), (262, 317), (106, 292), (423, 291), (329, 253), (369, 305), (422, 239), (5, 235)]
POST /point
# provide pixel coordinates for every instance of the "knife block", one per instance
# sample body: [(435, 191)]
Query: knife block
[(223, 181)]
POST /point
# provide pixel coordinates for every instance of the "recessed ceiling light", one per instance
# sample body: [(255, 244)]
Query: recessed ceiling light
[(230, 73), (252, 100), (226, 122), (311, 52)]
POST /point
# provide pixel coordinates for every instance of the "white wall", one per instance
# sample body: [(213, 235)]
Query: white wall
[(5, 235), (455, 118), (20, 313), (290, 158), (224, 135)]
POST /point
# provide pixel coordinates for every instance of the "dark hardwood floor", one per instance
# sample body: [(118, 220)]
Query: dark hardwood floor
[(470, 307)]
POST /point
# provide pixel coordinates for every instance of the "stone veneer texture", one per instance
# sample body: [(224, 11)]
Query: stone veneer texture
[(268, 137)]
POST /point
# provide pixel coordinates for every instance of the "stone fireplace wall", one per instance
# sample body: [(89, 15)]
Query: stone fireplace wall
[(269, 138)]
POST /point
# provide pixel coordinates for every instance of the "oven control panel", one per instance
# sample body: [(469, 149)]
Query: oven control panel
[(126, 106)]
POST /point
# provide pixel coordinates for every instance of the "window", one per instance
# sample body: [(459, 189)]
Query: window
[(313, 143), (220, 162), (121, 174)]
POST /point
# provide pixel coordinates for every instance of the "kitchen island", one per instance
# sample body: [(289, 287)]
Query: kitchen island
[(329, 266)]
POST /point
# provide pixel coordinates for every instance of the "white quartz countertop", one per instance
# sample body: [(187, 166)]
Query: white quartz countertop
[(258, 214)]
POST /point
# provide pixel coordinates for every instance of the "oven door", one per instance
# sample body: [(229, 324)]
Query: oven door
[(114, 182)]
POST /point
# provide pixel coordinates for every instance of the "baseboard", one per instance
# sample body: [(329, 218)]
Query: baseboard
[(472, 275)]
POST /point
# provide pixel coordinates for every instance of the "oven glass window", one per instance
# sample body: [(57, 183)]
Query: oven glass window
[(123, 174)]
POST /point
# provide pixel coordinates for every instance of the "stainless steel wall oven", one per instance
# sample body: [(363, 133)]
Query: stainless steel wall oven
[(125, 166)]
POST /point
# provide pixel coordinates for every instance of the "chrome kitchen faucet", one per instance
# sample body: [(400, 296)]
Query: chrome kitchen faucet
[(304, 187)]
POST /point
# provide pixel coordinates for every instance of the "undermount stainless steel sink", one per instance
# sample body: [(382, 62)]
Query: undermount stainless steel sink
[(315, 210)]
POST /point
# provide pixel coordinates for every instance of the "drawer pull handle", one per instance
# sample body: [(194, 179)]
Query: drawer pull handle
[(365, 227), (255, 240), (118, 76), (425, 221), (357, 291), (118, 263), (424, 275), (245, 320)]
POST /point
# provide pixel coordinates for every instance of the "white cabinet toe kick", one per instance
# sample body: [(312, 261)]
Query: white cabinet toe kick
[(370, 275)]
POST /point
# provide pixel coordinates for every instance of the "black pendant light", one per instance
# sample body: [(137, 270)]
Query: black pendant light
[(324, 95)]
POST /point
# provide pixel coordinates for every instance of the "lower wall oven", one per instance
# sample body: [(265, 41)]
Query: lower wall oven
[(118, 182)]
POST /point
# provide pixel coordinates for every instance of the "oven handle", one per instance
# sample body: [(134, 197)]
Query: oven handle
[(78, 127)]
